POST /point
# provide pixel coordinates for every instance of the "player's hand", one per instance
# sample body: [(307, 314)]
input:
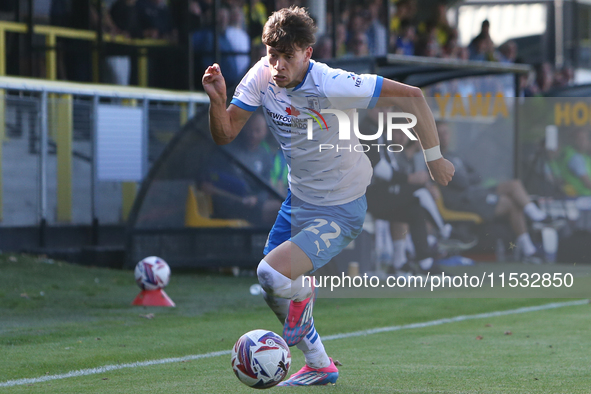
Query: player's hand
[(214, 83), (442, 170)]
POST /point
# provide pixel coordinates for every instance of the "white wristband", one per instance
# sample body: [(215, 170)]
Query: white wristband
[(432, 154)]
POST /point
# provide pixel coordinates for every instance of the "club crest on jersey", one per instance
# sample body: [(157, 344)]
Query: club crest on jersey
[(314, 103)]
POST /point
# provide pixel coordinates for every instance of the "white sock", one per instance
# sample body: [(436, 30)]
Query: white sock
[(533, 212), (399, 257), (313, 349), (280, 306), (427, 263), (276, 289), (526, 245)]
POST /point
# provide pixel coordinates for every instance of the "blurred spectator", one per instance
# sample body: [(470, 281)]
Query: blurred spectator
[(405, 44), (544, 77), (116, 68), (443, 30), (249, 147), (255, 154), (564, 76), (187, 18), (577, 158), (279, 173), (428, 44), (203, 47), (358, 46), (482, 50), (451, 49), (377, 34), (155, 20), (256, 21), (341, 43), (509, 199), (108, 25), (482, 46), (527, 85), (405, 11), (508, 52), (125, 17), (239, 40), (358, 23), (323, 48), (393, 185)]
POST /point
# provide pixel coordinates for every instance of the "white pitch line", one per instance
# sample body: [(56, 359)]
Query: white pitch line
[(107, 368), (455, 319)]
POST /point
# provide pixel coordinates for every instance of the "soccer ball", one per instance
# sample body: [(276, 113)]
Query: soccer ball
[(261, 359), (152, 273)]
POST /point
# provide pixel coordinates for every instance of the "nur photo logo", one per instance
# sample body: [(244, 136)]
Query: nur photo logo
[(391, 120)]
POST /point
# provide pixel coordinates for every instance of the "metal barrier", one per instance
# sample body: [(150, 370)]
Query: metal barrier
[(51, 154), (51, 34)]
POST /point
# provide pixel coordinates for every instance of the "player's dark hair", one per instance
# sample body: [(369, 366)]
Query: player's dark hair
[(289, 29)]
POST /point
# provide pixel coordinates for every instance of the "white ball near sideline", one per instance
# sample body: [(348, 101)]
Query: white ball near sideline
[(152, 273)]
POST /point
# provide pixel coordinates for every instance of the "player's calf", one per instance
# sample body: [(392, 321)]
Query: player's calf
[(297, 315)]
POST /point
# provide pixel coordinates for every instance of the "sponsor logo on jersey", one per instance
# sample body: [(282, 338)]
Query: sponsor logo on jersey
[(288, 123), (358, 80), (292, 111)]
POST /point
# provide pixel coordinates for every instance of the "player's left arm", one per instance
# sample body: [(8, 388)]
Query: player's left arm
[(410, 99)]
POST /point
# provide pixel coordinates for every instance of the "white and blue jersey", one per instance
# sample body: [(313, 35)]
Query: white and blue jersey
[(327, 177), (327, 208)]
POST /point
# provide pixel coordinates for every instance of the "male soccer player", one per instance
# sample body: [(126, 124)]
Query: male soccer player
[(325, 208)]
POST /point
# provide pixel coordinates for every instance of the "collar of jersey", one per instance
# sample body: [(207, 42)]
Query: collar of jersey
[(305, 76)]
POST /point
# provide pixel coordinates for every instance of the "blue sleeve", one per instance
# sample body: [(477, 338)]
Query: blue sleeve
[(376, 92), (242, 105)]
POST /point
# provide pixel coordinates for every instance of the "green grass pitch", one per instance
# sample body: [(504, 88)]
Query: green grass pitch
[(56, 318)]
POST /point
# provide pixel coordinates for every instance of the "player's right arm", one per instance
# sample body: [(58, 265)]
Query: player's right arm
[(224, 123)]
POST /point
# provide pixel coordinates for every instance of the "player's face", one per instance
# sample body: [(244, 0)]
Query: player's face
[(289, 69)]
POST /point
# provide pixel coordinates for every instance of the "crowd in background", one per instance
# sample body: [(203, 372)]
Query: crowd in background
[(360, 28)]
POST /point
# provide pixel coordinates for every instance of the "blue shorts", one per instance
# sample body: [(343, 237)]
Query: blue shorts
[(320, 231)]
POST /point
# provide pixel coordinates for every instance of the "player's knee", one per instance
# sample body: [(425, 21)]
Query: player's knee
[(272, 281), (276, 284)]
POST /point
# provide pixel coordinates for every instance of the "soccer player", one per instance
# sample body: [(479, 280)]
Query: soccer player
[(325, 208)]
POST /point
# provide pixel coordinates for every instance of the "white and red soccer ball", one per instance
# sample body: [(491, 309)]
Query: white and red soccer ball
[(261, 359), (152, 273)]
